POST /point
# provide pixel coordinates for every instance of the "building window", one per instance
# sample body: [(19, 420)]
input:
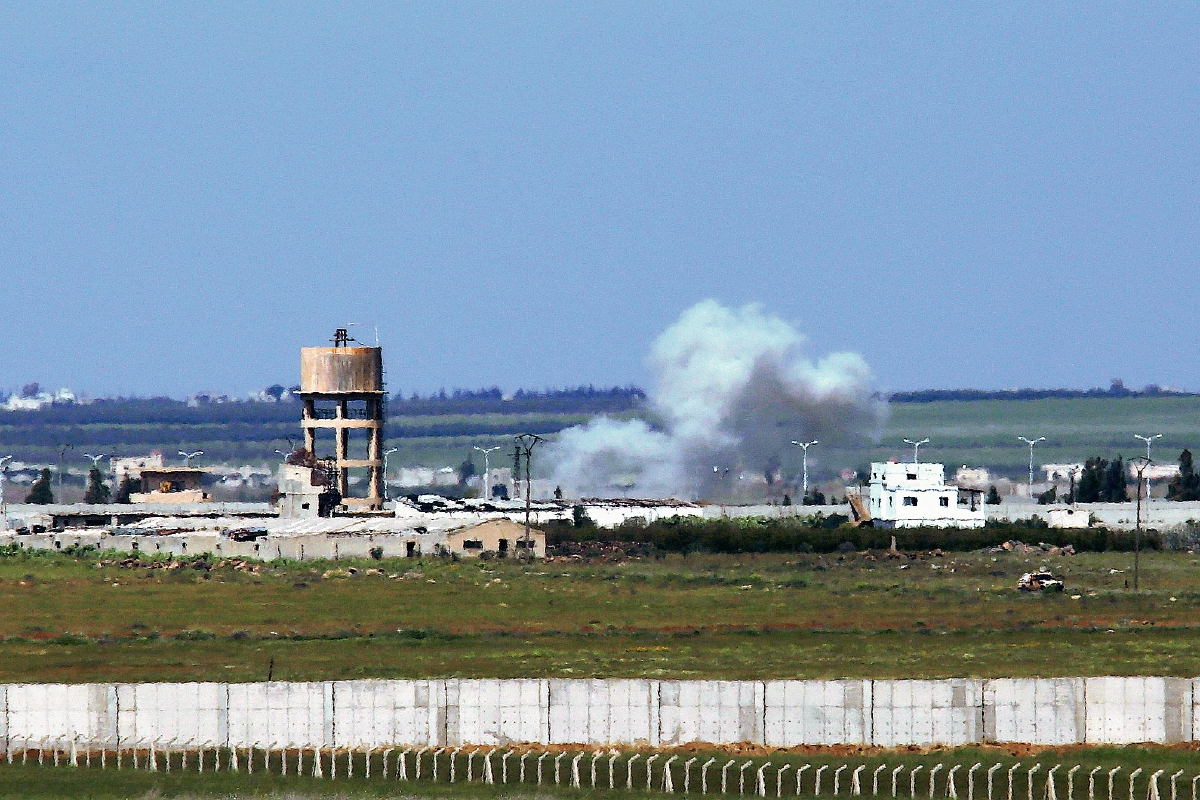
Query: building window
[(944, 502), (912, 476), (472, 544), (910, 501), (890, 501)]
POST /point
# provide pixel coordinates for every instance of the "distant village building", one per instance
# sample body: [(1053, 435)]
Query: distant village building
[(917, 495), (1068, 517), (171, 485), (1061, 472), (132, 466), (1155, 472)]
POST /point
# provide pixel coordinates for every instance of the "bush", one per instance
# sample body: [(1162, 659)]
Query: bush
[(762, 535)]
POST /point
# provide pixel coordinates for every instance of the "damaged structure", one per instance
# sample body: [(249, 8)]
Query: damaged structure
[(917, 495)]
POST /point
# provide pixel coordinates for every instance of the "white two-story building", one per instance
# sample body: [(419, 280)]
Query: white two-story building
[(917, 495)]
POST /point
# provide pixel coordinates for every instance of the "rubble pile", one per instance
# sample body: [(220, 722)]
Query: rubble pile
[(1017, 546)]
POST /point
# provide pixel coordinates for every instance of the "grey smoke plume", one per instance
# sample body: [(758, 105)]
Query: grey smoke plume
[(732, 388)]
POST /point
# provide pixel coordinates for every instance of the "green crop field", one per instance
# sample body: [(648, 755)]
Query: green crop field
[(984, 432), (90, 618)]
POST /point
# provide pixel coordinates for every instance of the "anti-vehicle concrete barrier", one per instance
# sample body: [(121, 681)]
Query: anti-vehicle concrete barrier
[(654, 713)]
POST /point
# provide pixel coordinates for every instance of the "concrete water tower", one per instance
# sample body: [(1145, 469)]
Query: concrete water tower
[(342, 389)]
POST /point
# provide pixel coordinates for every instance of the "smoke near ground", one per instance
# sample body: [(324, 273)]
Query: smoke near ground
[(732, 388)]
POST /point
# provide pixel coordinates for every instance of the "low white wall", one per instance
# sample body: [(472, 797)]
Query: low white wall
[(652, 713)]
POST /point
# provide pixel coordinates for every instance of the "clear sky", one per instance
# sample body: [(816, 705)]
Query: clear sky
[(525, 195)]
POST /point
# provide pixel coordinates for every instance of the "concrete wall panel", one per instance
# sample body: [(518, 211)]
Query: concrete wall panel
[(55, 712), (603, 712), (372, 713), (1129, 710), (927, 712), (1039, 711), (192, 713), (817, 712), (281, 713), (710, 711)]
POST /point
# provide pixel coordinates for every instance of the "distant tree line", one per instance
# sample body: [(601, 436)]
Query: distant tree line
[(168, 411), (1117, 389), (580, 399)]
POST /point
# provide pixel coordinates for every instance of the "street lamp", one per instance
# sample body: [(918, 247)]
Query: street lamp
[(720, 475), (1137, 531), (96, 462), (916, 447), (190, 456), (386, 453), (487, 470), (805, 446), (1148, 440), (3, 507), (1031, 443)]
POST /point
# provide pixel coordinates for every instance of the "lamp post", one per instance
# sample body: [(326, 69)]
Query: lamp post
[(1137, 531), (487, 470), (1031, 443), (916, 447), (804, 446), (3, 506), (96, 462), (190, 456), (1148, 440)]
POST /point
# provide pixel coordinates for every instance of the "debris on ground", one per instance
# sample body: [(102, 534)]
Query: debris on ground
[(134, 562), (1017, 546), (1040, 581)]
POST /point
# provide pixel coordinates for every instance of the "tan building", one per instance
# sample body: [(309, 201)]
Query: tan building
[(502, 537), (171, 485)]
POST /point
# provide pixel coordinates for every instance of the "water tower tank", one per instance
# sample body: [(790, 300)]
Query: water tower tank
[(341, 370)]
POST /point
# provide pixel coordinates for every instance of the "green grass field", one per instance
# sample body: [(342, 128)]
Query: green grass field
[(984, 432), (699, 616), (912, 779)]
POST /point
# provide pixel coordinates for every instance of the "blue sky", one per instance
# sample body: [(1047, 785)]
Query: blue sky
[(525, 195)]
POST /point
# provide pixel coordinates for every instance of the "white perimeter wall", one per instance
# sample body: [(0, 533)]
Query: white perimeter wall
[(603, 712)]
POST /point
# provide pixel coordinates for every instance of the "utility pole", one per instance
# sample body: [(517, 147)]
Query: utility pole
[(916, 447), (1031, 444), (524, 447), (805, 446), (3, 506), (1137, 531), (1148, 440), (487, 470)]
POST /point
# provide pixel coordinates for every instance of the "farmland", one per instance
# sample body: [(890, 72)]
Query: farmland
[(90, 618)]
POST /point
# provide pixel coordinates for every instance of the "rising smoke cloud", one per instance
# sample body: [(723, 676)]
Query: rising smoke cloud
[(732, 387)]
